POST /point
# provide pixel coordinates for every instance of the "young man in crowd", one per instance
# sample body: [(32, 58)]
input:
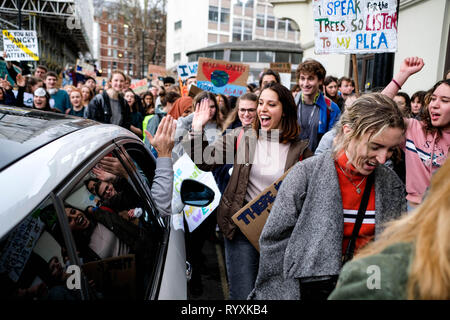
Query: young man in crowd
[(346, 87), (91, 83), (316, 113), (59, 99), (40, 72)]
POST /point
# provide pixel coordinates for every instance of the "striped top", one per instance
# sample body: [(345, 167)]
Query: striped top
[(351, 201)]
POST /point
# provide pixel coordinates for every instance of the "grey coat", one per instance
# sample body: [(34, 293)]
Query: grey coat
[(303, 235)]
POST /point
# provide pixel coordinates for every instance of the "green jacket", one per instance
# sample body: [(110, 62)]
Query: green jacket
[(383, 276)]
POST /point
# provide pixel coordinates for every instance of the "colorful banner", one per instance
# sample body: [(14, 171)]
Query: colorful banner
[(222, 77), (185, 168), (85, 69), (355, 26), (20, 45)]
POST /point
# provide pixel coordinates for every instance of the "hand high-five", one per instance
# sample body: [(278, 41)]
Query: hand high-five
[(164, 139), (201, 115)]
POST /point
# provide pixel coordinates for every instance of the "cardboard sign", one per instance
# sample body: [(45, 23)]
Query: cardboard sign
[(281, 67), (252, 218), (185, 168), (19, 246), (139, 86), (113, 276), (187, 70), (193, 91), (85, 69), (222, 77), (20, 45), (355, 26)]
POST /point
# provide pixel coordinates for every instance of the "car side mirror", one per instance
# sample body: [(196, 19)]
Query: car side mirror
[(197, 194)]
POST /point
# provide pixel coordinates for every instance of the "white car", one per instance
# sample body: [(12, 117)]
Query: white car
[(70, 230)]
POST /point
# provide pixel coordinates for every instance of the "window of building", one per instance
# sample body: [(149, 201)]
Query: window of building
[(115, 53), (237, 30), (213, 14), (109, 52), (109, 28), (225, 15), (235, 56), (109, 41), (177, 56), (178, 25), (115, 42), (270, 22), (248, 30), (260, 20), (250, 56), (114, 64), (281, 25), (296, 58), (114, 28), (281, 56), (266, 56), (218, 55)]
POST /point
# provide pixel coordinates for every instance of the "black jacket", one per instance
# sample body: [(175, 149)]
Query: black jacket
[(99, 109)]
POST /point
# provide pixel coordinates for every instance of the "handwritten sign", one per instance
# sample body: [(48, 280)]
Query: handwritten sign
[(19, 246), (188, 70), (355, 26), (252, 217), (20, 45), (185, 168), (139, 86), (222, 77), (85, 68), (285, 71)]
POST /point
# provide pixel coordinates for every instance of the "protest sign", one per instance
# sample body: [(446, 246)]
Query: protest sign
[(187, 70), (284, 70), (252, 217), (101, 81), (20, 45), (4, 72), (185, 168), (85, 69), (139, 86), (222, 77), (355, 26)]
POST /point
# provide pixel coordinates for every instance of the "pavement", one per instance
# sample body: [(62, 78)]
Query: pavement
[(213, 272)]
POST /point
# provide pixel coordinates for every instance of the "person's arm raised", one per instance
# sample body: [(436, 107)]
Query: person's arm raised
[(408, 67)]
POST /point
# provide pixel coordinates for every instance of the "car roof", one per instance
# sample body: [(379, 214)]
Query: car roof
[(23, 130), (27, 181)]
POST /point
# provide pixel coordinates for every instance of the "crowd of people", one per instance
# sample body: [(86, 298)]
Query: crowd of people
[(357, 162)]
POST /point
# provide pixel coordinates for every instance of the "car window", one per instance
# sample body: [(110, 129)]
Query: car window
[(34, 261), (116, 233)]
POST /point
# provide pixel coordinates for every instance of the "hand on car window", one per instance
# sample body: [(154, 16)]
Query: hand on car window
[(113, 165)]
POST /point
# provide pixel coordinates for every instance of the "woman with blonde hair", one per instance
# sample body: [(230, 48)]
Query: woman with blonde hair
[(331, 205), (412, 254)]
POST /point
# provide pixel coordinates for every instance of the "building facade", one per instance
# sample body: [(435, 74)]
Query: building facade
[(194, 25), (423, 31), (115, 44)]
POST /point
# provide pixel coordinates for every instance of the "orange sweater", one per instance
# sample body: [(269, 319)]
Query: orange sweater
[(350, 203)]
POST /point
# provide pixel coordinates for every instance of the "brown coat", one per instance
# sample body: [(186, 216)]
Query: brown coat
[(208, 157)]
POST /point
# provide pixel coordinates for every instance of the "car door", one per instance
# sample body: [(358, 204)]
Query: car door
[(118, 234), (172, 267)]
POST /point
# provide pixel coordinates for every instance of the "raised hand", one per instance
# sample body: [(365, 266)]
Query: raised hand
[(411, 65), (103, 175), (164, 138), (20, 80), (201, 115), (113, 165), (4, 83)]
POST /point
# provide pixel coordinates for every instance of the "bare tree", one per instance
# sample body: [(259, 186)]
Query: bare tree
[(147, 22)]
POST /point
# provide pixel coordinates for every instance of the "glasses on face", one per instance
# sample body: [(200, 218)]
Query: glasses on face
[(250, 111)]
